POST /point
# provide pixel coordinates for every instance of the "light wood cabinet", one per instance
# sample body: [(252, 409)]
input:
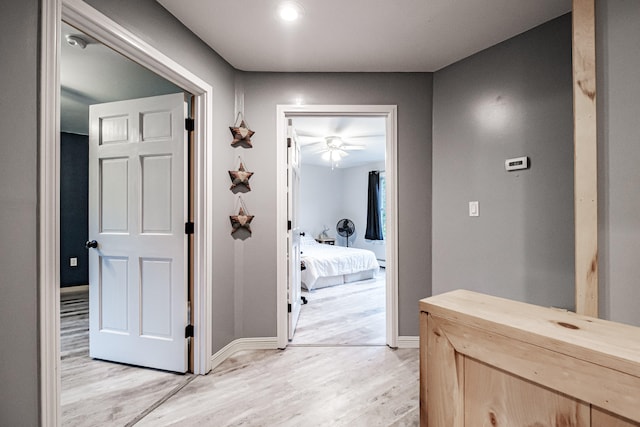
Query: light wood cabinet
[(487, 361)]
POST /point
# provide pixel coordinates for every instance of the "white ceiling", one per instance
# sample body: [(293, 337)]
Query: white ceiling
[(359, 35), (366, 132)]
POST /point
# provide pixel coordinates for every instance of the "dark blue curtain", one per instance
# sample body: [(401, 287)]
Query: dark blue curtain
[(374, 225)]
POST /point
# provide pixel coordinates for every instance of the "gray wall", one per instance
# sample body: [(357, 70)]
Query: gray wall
[(618, 62), (513, 99), (154, 24), (412, 93), (19, 28)]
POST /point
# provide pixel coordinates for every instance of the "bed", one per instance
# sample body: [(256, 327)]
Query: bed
[(328, 265)]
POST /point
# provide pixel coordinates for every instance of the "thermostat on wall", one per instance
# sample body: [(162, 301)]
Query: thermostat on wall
[(516, 163)]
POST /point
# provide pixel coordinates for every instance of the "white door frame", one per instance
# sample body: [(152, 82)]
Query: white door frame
[(389, 112), (95, 24)]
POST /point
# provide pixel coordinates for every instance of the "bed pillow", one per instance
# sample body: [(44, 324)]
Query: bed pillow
[(308, 240)]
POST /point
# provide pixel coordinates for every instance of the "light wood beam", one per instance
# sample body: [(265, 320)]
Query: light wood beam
[(585, 158)]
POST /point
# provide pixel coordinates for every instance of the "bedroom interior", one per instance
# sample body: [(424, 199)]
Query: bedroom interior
[(343, 275)]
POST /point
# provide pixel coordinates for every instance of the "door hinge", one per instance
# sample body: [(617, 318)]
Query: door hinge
[(288, 225), (188, 331), (289, 308), (288, 142), (189, 228), (189, 124)]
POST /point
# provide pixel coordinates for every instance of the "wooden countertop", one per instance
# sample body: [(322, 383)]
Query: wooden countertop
[(599, 341)]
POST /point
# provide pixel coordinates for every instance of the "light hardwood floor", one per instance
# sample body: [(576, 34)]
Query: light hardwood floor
[(300, 386), (98, 393), (349, 314)]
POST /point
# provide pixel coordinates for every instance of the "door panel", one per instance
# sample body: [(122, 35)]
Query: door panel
[(293, 189), (156, 126), (156, 194), (114, 184), (137, 211), (155, 303), (114, 130), (113, 289)]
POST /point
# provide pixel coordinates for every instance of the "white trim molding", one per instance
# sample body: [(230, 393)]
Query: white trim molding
[(242, 344), (409, 342), (72, 289), (389, 112), (87, 19), (49, 229)]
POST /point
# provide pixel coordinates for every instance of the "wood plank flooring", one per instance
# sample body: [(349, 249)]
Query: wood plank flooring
[(99, 393), (306, 385), (301, 386), (349, 314)]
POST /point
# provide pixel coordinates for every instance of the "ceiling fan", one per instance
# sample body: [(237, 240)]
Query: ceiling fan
[(333, 148)]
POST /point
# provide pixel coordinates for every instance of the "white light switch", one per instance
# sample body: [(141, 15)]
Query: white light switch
[(474, 209), (73, 262)]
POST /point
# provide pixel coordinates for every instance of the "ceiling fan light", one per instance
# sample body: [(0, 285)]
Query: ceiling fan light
[(334, 141)]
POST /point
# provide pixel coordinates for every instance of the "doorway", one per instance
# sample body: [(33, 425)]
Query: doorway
[(387, 113), (98, 26), (343, 278), (96, 81)]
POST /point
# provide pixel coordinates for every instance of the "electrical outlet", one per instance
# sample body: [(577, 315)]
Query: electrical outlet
[(73, 262)]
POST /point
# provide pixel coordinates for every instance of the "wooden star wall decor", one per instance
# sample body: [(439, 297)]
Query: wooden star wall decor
[(242, 220), (241, 134), (240, 177)]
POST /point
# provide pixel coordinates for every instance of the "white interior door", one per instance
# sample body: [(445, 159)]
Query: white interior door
[(137, 212), (293, 197)]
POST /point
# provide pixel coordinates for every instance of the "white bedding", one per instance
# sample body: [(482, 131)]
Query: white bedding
[(328, 261)]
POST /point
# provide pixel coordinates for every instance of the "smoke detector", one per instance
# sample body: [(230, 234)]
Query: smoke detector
[(76, 41)]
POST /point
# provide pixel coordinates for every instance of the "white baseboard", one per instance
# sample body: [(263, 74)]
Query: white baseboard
[(267, 343), (408, 342), (70, 289), (271, 343)]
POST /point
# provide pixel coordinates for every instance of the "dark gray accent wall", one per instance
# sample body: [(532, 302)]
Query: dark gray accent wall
[(411, 92), (618, 98), (19, 395), (511, 100), (74, 208), (152, 23)]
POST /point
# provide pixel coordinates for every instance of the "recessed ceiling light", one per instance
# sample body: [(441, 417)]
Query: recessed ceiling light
[(290, 11)]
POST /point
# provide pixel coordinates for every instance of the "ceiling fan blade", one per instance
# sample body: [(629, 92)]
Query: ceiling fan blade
[(314, 152), (371, 135), (313, 145), (341, 123), (306, 134)]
